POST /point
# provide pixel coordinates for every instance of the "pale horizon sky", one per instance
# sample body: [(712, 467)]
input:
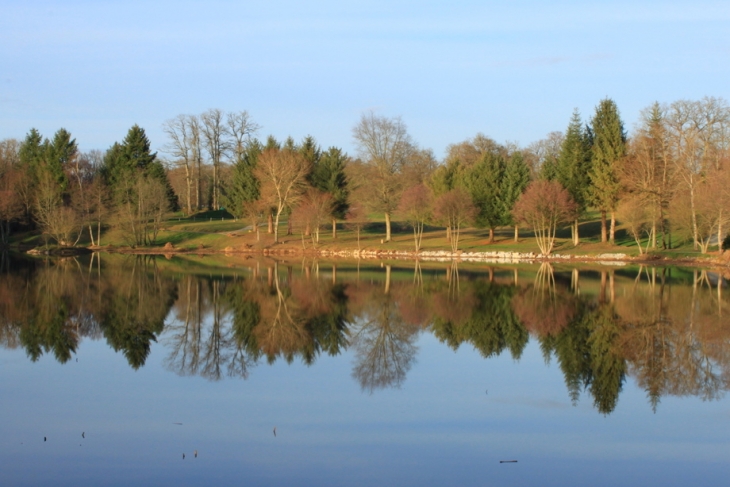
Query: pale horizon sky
[(511, 70)]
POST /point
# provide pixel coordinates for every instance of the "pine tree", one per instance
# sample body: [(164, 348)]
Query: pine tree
[(310, 150), (515, 181), (32, 150), (60, 152), (328, 175), (126, 167), (483, 181), (609, 146), (573, 166), (244, 187)]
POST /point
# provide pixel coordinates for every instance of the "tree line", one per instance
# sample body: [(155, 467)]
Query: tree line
[(669, 180)]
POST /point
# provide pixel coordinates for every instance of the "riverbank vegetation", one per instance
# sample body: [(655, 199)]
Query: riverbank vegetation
[(665, 188)]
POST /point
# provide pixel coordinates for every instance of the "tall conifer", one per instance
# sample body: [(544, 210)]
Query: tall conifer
[(609, 146), (573, 167), (328, 175), (516, 179)]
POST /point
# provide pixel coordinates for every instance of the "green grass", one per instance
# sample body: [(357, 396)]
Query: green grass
[(218, 231)]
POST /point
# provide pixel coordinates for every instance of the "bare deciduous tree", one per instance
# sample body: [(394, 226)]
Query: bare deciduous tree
[(639, 219), (385, 146), (240, 127), (140, 218), (196, 149), (180, 146), (213, 130), (56, 220), (698, 135), (283, 180)]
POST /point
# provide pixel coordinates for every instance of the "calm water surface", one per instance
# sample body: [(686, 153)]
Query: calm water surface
[(397, 374)]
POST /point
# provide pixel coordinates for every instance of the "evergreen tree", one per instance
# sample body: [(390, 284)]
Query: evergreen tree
[(444, 178), (32, 150), (608, 367), (483, 181), (59, 153), (572, 350), (549, 170), (609, 146), (516, 179), (272, 143), (139, 186), (124, 162), (328, 175), (244, 186), (309, 149), (573, 167), (492, 325)]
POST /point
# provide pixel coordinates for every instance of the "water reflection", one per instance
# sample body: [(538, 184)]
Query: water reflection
[(664, 328)]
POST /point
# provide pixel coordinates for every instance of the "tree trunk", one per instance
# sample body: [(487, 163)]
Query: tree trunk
[(387, 227), (215, 185), (604, 230), (270, 223), (517, 233), (387, 279), (611, 286), (612, 239), (197, 184), (576, 233), (653, 234), (334, 229), (575, 282), (189, 183), (448, 233), (719, 233), (491, 235), (695, 232), (276, 228)]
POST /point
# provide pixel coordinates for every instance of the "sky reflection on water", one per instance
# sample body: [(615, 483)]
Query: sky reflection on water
[(455, 415)]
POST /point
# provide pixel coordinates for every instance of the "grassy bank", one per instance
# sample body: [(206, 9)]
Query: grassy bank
[(219, 232)]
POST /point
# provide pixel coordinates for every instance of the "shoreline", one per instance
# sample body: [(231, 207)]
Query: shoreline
[(496, 257)]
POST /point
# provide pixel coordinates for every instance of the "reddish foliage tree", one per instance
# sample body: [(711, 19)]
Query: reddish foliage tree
[(11, 207), (545, 205), (454, 209), (415, 208), (315, 209)]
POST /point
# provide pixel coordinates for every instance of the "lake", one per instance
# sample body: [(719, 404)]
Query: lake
[(313, 373)]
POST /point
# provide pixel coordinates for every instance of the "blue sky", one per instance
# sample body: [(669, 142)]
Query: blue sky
[(511, 70)]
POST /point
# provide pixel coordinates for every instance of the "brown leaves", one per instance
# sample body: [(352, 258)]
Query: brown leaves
[(545, 205)]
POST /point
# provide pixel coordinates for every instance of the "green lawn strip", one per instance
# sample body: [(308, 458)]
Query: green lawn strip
[(195, 233)]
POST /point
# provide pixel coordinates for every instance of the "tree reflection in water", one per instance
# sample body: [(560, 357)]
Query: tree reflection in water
[(384, 343), (58, 302), (665, 328)]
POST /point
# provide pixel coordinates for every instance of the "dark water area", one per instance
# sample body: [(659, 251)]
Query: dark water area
[(320, 373)]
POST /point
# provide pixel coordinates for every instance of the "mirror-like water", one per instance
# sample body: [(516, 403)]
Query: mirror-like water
[(313, 373)]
